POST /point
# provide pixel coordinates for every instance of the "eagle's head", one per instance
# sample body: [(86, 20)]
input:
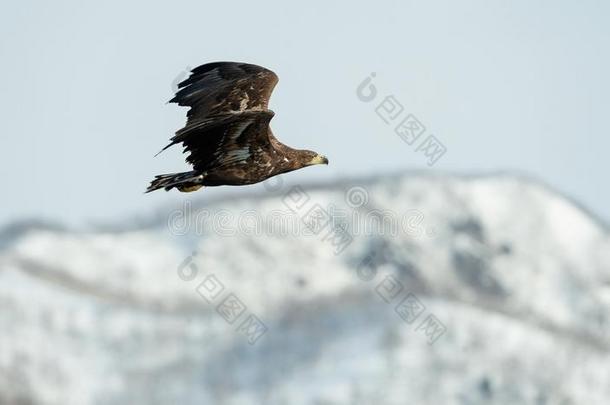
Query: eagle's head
[(295, 159), (310, 158)]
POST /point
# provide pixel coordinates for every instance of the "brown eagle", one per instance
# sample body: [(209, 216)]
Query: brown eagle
[(227, 134)]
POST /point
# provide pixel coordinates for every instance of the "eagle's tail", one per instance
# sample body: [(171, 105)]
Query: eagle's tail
[(185, 182)]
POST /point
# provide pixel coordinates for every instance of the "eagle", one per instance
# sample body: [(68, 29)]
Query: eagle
[(227, 134)]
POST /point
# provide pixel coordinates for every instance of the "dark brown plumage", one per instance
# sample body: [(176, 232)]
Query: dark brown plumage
[(227, 134)]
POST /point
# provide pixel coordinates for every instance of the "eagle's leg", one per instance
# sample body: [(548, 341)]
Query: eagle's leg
[(189, 188)]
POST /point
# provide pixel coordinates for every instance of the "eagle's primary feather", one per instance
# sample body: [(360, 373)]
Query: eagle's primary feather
[(227, 134)]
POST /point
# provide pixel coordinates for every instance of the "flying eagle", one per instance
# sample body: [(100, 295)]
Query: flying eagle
[(227, 134)]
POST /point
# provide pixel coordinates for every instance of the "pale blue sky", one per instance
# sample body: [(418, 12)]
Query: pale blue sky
[(505, 85)]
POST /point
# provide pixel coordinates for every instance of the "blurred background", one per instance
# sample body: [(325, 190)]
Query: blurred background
[(466, 262)]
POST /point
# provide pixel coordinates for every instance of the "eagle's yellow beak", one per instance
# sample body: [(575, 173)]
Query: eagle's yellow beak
[(319, 160)]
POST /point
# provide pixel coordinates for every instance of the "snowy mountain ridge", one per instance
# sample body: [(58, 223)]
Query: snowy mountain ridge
[(516, 276)]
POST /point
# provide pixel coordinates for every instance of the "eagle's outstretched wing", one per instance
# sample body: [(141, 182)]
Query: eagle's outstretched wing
[(225, 87), (228, 122)]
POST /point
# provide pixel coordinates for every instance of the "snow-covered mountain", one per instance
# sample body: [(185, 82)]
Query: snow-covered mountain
[(405, 289)]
